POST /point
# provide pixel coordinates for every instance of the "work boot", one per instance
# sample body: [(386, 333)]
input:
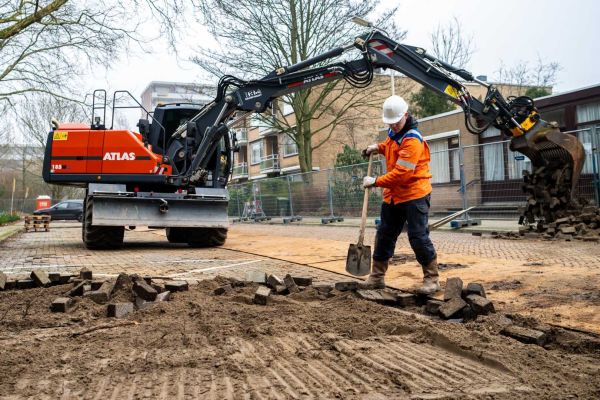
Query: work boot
[(431, 283), (376, 278)]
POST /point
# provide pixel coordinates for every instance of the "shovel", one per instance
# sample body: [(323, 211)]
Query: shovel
[(358, 262)]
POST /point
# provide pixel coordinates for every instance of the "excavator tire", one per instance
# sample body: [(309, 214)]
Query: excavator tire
[(99, 237), (207, 237), (177, 235)]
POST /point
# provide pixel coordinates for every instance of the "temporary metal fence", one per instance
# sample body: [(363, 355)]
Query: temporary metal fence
[(488, 176)]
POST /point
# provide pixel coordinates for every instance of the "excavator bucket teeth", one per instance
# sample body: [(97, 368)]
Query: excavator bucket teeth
[(557, 159)]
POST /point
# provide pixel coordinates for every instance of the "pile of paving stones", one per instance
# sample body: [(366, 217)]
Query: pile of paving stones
[(548, 191), (461, 303), (583, 224), (142, 291)]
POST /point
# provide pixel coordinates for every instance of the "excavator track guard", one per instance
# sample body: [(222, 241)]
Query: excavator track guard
[(557, 160)]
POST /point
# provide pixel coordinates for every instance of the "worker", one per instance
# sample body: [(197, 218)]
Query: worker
[(406, 195)]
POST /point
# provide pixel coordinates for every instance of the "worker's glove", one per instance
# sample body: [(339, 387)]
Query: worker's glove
[(372, 148), (368, 182)]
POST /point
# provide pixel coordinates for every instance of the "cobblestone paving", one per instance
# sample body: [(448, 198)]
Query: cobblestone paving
[(144, 253)]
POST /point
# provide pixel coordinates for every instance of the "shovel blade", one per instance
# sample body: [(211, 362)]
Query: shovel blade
[(358, 262)]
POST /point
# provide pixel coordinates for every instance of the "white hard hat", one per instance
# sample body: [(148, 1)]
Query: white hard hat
[(394, 108)]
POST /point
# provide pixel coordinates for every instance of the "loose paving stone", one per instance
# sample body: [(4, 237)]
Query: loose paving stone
[(453, 288), (163, 296), (64, 279), (96, 284), (144, 290), (273, 281), (102, 295), (256, 276), (468, 314), (62, 304), (159, 288), (142, 304), (85, 273), (177, 286), (480, 305), (452, 307), (54, 278), (24, 284), (77, 289), (525, 335), (302, 280), (323, 287), (475, 288), (433, 306), (118, 310), (261, 296), (371, 295), (290, 284), (281, 290), (346, 286), (222, 290), (405, 299), (388, 297), (2, 281), (40, 277)]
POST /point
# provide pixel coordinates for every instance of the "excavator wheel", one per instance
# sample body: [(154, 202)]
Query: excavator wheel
[(198, 237), (99, 237), (177, 235)]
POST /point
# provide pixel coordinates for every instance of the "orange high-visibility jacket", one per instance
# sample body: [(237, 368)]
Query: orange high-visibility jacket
[(407, 158)]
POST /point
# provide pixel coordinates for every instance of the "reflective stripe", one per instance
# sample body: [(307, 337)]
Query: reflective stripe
[(406, 164), (413, 133)]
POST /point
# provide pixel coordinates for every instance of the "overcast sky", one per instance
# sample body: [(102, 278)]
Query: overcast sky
[(508, 31)]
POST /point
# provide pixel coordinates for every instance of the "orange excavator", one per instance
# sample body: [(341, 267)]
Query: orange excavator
[(173, 172)]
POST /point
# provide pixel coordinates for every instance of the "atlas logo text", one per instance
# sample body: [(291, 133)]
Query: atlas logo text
[(114, 156)]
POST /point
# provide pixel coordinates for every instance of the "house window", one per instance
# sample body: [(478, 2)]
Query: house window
[(256, 152), (290, 148), (588, 113), (557, 116), (286, 106), (517, 163), (585, 136), (445, 158)]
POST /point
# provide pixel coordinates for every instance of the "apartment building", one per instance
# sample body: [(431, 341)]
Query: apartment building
[(176, 92)]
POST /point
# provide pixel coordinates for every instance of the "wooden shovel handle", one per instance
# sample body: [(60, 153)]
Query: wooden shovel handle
[(363, 219)]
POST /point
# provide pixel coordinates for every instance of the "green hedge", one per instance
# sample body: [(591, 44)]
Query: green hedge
[(6, 218)]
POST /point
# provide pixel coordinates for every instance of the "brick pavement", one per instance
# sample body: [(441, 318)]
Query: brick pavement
[(145, 253)]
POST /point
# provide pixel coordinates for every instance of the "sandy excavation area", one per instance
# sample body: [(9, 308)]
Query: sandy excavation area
[(305, 345)]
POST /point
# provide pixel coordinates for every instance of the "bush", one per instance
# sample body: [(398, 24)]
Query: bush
[(6, 218)]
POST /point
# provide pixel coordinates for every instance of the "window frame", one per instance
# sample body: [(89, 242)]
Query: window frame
[(260, 153)]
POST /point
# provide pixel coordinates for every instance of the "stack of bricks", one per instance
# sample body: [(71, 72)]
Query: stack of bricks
[(461, 303), (35, 222), (582, 224)]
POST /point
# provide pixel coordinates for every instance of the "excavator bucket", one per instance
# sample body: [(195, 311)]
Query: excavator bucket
[(557, 159)]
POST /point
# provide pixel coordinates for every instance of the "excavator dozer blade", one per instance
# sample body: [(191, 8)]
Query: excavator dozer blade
[(557, 159)]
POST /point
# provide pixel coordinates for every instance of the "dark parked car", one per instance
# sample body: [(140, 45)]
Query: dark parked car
[(69, 209)]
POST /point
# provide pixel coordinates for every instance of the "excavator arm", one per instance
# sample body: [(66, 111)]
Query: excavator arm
[(548, 148)]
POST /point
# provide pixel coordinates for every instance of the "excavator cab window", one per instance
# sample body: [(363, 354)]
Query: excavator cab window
[(168, 119)]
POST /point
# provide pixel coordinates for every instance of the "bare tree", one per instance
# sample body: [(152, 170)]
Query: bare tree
[(258, 37), (450, 44), (525, 77)]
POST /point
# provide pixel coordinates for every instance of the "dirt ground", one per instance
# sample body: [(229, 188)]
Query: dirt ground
[(203, 346), (554, 281)]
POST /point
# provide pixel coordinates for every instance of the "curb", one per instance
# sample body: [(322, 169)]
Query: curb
[(9, 231)]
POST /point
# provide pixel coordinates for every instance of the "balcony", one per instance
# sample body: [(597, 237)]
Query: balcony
[(240, 171), (266, 129), (242, 136), (269, 164)]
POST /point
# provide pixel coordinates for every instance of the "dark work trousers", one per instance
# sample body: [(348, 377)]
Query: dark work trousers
[(393, 217)]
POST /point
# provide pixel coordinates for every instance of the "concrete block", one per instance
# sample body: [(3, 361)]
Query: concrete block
[(54, 278), (567, 230), (3, 281), (24, 284), (148, 280), (433, 306), (480, 305), (144, 290), (102, 295), (452, 307), (323, 288), (123, 281), (222, 290), (40, 277), (118, 310), (256, 276), (9, 285), (453, 288), (281, 290), (261, 296), (77, 289), (176, 286), (288, 281), (346, 286), (62, 304), (525, 335), (468, 314), (85, 274), (302, 280), (475, 288), (371, 295), (157, 287), (388, 298), (273, 281), (64, 279), (164, 296), (405, 299)]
